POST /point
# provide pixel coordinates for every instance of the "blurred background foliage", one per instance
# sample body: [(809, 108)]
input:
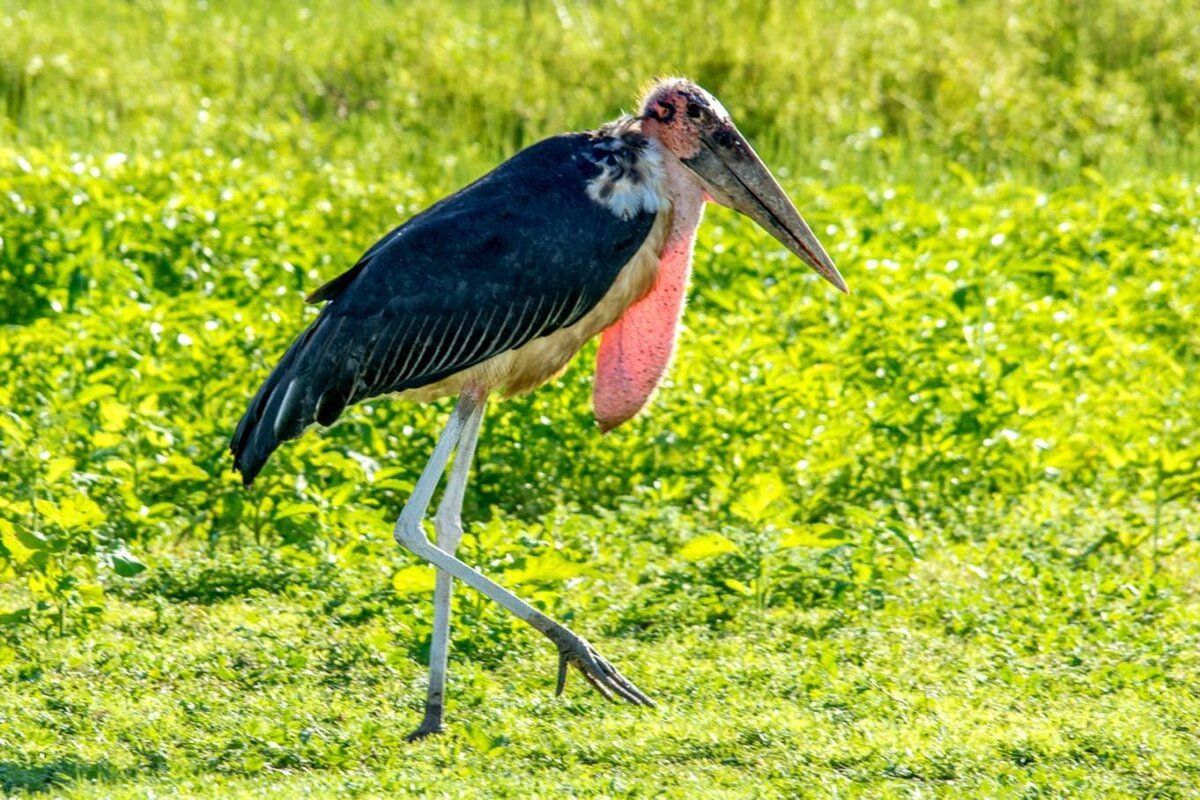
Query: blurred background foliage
[(866, 90), (1009, 188)]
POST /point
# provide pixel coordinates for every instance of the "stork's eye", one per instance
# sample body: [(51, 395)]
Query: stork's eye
[(694, 110)]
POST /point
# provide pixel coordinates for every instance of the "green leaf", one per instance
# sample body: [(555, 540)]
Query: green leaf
[(224, 673), (816, 535), (755, 501), (58, 468), (182, 468), (707, 546), (73, 512), (17, 617), (903, 536), (92, 593), (414, 579), (550, 567), (738, 586), (94, 392), (482, 741), (113, 415), (12, 429), (21, 544), (289, 510), (125, 563)]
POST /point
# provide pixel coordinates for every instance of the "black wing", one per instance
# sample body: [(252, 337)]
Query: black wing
[(520, 253)]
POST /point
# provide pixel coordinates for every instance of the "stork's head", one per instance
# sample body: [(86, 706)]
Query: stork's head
[(693, 125)]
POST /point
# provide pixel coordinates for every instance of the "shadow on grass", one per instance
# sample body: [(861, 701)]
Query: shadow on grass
[(16, 777), (207, 581)]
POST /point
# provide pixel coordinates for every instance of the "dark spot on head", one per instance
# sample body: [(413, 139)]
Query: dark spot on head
[(606, 190), (694, 110), (668, 111), (724, 137)]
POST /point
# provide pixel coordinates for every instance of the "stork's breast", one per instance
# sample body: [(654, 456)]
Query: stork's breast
[(636, 350)]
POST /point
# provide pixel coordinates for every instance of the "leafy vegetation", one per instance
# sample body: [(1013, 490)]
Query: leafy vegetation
[(937, 537)]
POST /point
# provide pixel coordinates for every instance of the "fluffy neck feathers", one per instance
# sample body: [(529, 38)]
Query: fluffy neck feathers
[(632, 177)]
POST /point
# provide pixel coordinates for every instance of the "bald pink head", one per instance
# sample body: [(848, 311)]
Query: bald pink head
[(696, 128), (676, 111)]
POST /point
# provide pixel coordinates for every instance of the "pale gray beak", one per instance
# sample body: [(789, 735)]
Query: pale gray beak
[(737, 178)]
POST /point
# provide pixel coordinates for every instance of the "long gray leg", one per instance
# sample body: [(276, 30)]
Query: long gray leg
[(448, 524), (573, 649)]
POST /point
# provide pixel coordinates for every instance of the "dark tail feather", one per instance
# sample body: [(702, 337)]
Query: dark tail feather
[(255, 438), (284, 406)]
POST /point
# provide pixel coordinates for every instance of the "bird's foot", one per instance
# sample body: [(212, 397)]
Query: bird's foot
[(429, 726), (574, 650)]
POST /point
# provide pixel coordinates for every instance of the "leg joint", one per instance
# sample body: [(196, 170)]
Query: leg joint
[(410, 534)]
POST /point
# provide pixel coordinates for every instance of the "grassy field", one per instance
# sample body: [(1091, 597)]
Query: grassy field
[(936, 538)]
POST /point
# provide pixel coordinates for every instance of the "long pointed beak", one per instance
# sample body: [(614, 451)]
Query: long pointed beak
[(737, 178)]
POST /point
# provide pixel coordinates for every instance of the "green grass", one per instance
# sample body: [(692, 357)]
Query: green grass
[(935, 538), (1004, 666)]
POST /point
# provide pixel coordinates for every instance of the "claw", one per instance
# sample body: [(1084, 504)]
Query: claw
[(598, 686), (423, 731), (430, 725), (562, 673), (611, 684)]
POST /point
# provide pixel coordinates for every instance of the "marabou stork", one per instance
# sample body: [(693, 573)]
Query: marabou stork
[(496, 287)]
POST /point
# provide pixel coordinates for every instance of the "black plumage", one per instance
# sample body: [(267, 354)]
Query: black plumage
[(520, 253)]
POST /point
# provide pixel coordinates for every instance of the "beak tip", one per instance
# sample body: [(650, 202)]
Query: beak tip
[(835, 277)]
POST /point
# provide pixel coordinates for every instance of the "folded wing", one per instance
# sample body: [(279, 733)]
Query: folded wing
[(520, 253)]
